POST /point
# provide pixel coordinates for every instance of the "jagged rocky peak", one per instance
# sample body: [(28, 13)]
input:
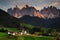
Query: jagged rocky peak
[(17, 6), (26, 6), (50, 12), (26, 10)]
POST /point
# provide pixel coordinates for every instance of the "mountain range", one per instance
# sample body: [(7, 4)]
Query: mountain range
[(37, 18), (49, 12), (26, 10)]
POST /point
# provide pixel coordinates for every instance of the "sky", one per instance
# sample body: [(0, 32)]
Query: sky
[(38, 4)]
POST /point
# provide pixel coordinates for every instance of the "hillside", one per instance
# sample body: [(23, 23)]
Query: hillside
[(36, 21), (49, 23), (7, 20)]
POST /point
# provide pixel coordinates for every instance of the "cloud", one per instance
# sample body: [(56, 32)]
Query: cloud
[(55, 4), (39, 4), (40, 1)]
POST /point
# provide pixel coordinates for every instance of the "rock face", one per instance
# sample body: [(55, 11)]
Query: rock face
[(26, 10), (14, 12), (37, 14), (50, 12)]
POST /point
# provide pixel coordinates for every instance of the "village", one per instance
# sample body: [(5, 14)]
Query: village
[(17, 33)]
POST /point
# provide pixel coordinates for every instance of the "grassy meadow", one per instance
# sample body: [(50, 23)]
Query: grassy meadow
[(4, 36)]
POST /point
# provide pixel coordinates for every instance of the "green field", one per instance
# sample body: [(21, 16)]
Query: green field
[(4, 36), (36, 38), (11, 29)]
